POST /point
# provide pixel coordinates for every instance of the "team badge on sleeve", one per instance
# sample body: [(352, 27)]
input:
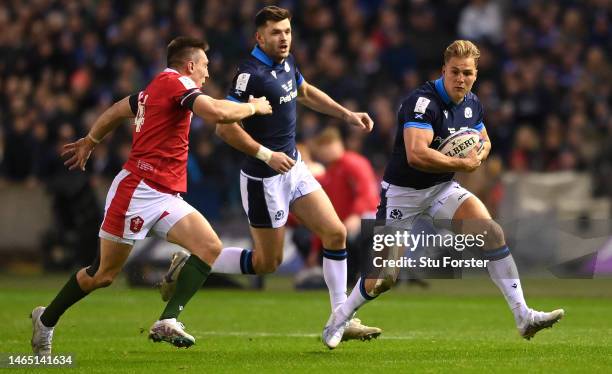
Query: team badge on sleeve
[(242, 81), (421, 105)]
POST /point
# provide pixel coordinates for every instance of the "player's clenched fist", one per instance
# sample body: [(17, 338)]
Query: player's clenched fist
[(262, 105), (472, 161)]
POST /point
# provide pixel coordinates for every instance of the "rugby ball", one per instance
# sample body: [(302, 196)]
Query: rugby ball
[(461, 143)]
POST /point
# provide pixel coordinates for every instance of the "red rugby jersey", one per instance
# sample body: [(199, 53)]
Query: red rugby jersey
[(161, 131), (351, 185)]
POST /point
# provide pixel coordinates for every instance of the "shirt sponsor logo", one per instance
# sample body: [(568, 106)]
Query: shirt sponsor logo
[(287, 98), (452, 130), (421, 105), (143, 165), (288, 86)]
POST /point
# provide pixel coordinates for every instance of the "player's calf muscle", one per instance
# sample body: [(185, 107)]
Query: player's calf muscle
[(89, 282), (266, 265)]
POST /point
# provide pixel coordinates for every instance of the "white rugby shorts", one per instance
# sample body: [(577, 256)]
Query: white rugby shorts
[(133, 209), (403, 205), (266, 201)]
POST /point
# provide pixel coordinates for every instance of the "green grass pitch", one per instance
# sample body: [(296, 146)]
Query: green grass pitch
[(455, 326)]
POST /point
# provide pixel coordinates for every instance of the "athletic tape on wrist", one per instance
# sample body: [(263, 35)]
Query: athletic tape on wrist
[(264, 154), (93, 139)]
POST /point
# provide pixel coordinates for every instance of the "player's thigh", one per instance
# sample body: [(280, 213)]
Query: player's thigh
[(452, 203), (317, 213), (133, 209), (113, 255), (194, 233), (266, 200), (267, 248), (472, 208), (464, 213)]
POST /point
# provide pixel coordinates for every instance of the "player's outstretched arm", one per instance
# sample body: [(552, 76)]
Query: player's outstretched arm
[(79, 151), (421, 157), (234, 135), (318, 100), (225, 111)]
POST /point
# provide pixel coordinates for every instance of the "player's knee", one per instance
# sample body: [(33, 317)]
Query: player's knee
[(335, 237), (494, 237), (208, 250), (215, 247)]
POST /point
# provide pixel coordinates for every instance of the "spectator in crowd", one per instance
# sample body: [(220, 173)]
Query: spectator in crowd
[(545, 67), (349, 180)]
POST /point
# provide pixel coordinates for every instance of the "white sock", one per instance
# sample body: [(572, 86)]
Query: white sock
[(504, 274), (228, 261), (334, 273), (355, 300)]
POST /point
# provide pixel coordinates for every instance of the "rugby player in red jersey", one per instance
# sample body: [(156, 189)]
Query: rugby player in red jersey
[(145, 196)]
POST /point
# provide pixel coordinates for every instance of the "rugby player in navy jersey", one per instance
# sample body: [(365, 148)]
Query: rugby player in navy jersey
[(419, 181), (273, 179)]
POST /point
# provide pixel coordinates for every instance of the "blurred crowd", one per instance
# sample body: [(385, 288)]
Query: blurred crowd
[(544, 77)]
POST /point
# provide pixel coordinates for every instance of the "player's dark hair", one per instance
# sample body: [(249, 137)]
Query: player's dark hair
[(271, 13), (181, 49)]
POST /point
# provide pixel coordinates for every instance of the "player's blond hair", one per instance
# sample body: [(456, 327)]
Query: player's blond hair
[(329, 135), (462, 49)]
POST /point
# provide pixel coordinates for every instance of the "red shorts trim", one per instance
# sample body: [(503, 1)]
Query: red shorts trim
[(114, 220)]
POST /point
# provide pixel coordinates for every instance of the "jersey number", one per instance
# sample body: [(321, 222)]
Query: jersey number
[(142, 100)]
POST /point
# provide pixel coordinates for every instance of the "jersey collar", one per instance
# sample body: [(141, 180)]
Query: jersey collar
[(263, 57), (170, 70), (439, 83)]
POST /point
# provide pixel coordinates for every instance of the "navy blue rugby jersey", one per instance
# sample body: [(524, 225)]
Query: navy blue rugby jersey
[(429, 107), (258, 76)]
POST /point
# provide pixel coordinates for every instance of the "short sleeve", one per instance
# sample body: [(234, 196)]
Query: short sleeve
[(133, 99), (184, 91), (243, 85), (418, 112), (479, 118), (299, 79)]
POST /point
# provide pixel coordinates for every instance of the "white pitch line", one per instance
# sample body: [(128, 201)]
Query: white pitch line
[(283, 335)]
